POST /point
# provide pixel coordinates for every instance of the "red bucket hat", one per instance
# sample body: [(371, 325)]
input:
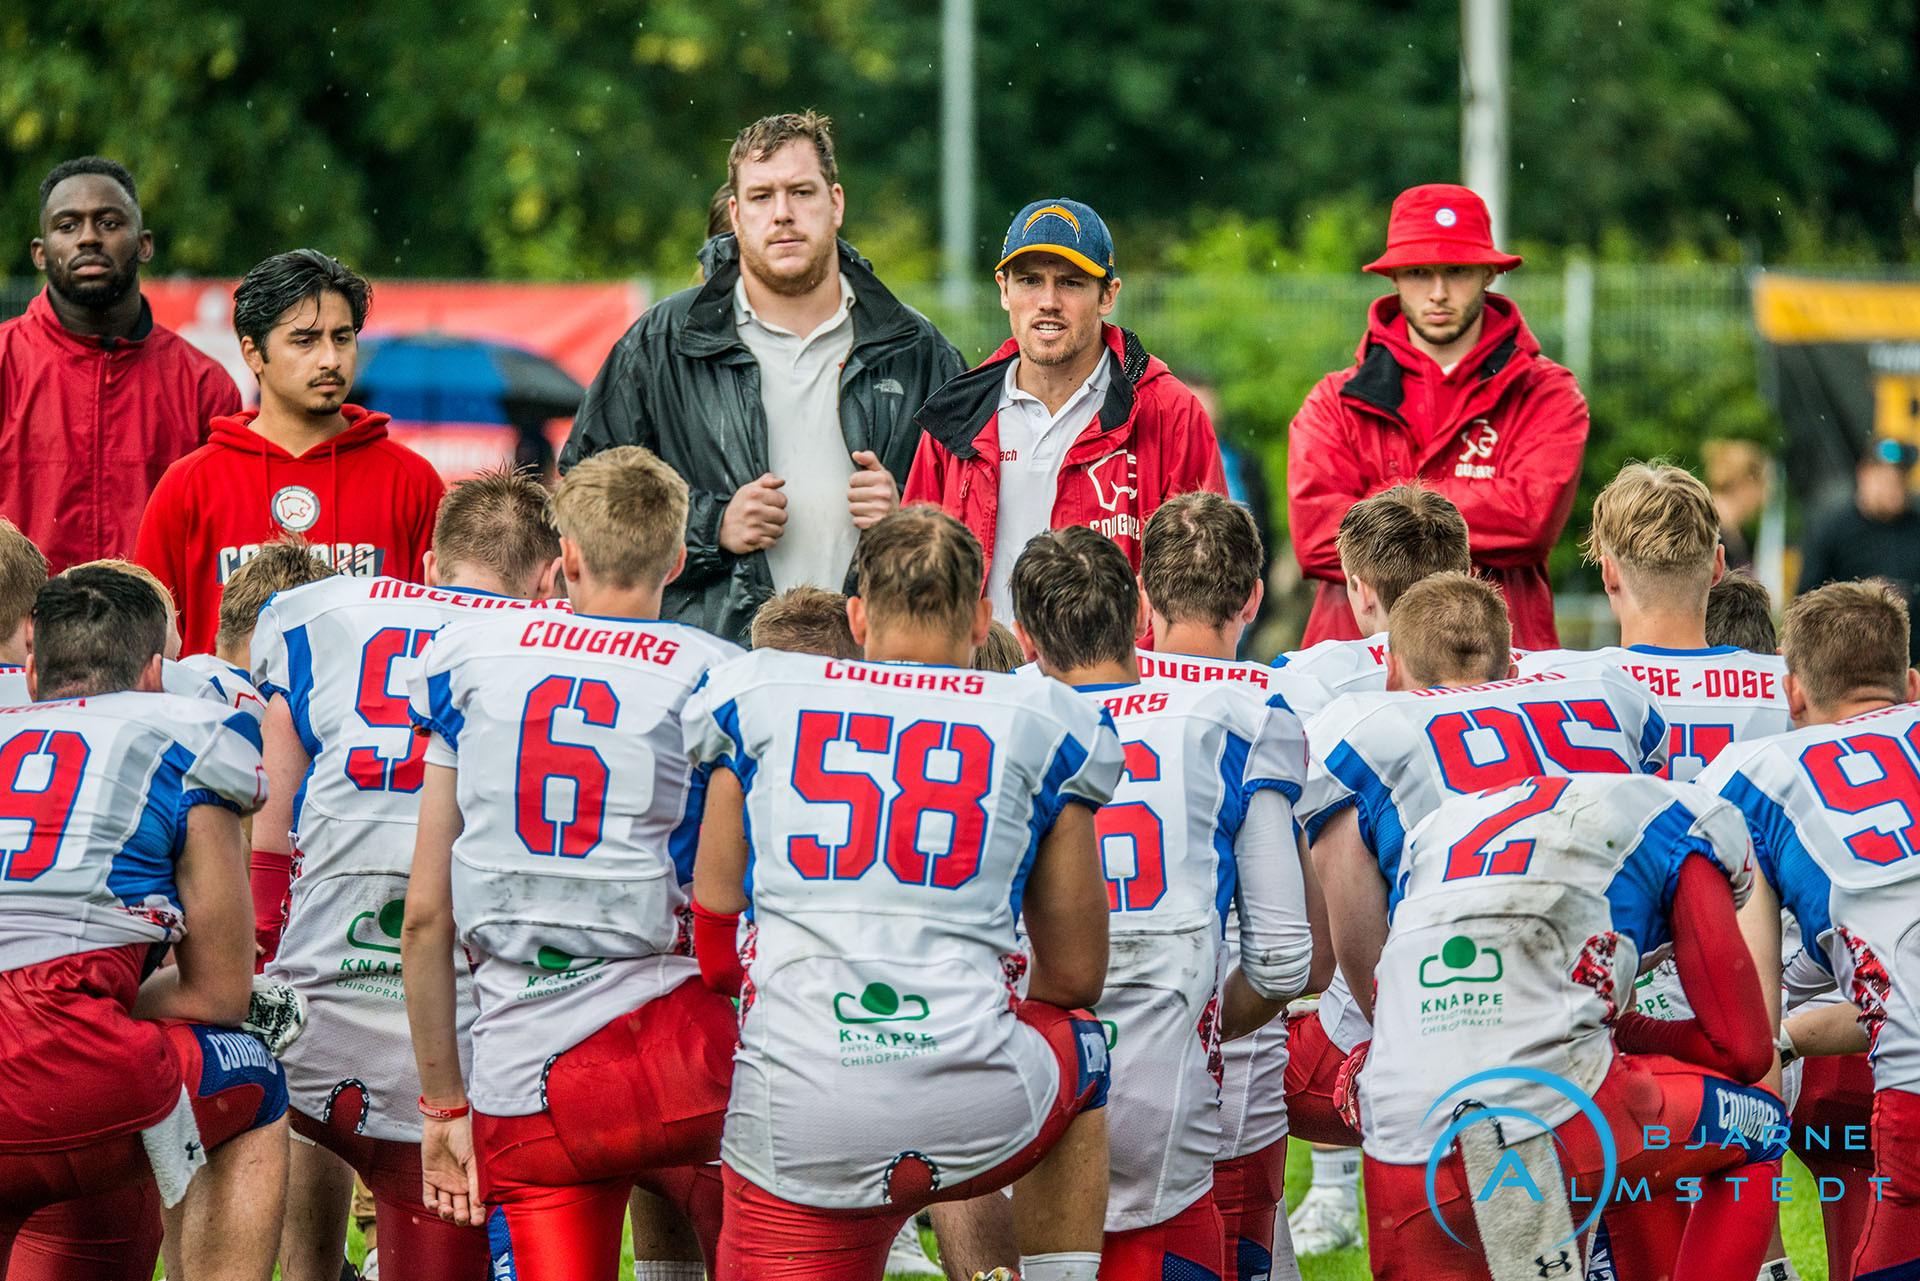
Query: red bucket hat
[(1440, 223)]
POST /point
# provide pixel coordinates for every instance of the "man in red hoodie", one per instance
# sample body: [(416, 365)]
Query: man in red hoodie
[(305, 462), (1448, 388), (95, 398), (1071, 422)]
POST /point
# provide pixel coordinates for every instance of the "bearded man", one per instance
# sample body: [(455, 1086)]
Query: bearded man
[(1448, 389), (782, 389)]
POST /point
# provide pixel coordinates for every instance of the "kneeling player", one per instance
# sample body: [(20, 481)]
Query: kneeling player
[(556, 831), (884, 1060), (132, 800), (1490, 1026), (1202, 818)]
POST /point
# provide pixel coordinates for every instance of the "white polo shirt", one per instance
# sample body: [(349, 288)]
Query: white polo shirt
[(1032, 443), (800, 389)]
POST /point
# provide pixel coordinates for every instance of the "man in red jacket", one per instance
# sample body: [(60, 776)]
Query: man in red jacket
[(305, 463), (1071, 422), (95, 399), (1448, 388)]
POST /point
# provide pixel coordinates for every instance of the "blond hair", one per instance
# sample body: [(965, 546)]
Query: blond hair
[(1400, 536), (805, 620), (281, 565), (1001, 653), (1848, 641), (627, 512), (1451, 629), (23, 572), (1658, 524)]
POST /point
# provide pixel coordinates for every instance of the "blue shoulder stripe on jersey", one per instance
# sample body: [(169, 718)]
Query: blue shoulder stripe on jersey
[(1652, 736), (300, 691), (744, 767), (685, 839), (442, 717), (246, 727), (145, 863), (1640, 895), (1796, 876), (1311, 828), (1068, 759), (1380, 824), (1233, 814), (1281, 660)]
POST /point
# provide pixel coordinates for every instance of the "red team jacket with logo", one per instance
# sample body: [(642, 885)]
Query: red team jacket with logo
[(365, 502), (1501, 438), (1150, 441)]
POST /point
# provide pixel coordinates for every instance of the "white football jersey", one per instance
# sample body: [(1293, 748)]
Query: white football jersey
[(1346, 666), (1710, 697), (13, 685), (1399, 755), (178, 679), (234, 685), (580, 814), (894, 810), (1522, 917), (340, 651), (1195, 755), (1833, 811), (94, 796)]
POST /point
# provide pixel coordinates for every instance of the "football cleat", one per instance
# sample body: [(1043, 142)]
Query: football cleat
[(1325, 1221)]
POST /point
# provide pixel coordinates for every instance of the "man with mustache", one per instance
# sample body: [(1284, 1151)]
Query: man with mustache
[(782, 387), (95, 398), (1448, 389)]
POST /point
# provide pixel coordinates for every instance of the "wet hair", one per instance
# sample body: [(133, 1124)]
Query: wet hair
[(79, 165), (497, 520), (286, 280), (1400, 536), (95, 630), (1075, 593), (920, 567), (1200, 556), (765, 136)]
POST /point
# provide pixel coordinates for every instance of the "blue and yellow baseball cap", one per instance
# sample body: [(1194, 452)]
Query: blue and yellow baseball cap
[(1064, 227)]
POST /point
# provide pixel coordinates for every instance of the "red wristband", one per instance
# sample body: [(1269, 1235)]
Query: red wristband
[(433, 1113)]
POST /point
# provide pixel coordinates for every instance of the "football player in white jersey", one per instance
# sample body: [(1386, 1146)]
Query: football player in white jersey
[(23, 572), (1200, 562), (1494, 1099), (1831, 807), (281, 566), (558, 815), (899, 816), (1740, 614), (126, 1090), (1202, 818), (1656, 539), (334, 655)]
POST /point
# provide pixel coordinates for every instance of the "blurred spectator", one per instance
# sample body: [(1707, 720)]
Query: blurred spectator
[(95, 398), (1876, 534), (1739, 477), (1448, 388), (305, 462), (782, 389), (1740, 614), (1071, 422)]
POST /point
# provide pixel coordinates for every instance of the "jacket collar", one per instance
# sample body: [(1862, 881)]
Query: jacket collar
[(1377, 382), (41, 309), (956, 414), (879, 317)]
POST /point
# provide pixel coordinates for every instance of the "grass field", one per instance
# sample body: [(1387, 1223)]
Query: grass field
[(1800, 1224)]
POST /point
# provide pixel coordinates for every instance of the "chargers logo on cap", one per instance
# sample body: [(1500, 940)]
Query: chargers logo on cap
[(1058, 211)]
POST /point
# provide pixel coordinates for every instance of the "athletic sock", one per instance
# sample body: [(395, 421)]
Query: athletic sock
[(1337, 1170), (1064, 1266), (1779, 1270), (669, 1270)]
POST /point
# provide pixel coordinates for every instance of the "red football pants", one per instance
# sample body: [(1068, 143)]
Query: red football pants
[(640, 1102), (1313, 1071), (1247, 1192), (1187, 1246), (1831, 1120), (1890, 1249), (1725, 1235), (766, 1238), (413, 1241)]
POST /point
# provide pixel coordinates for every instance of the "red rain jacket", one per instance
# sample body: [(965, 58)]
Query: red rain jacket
[(87, 425), (1150, 441), (1501, 437), (365, 502)]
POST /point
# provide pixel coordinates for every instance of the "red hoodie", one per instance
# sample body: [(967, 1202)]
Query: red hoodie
[(366, 503), (1501, 436)]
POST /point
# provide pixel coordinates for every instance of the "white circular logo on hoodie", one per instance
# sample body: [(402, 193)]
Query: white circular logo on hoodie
[(296, 508)]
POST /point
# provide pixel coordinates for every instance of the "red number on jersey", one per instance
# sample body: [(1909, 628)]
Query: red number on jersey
[(380, 709), (1448, 734), (1470, 855), (1135, 823), (45, 809), (1549, 721), (853, 788), (544, 758), (1897, 784), (1694, 742), (969, 761)]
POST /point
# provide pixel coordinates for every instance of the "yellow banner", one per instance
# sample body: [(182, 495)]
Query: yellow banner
[(1796, 309)]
